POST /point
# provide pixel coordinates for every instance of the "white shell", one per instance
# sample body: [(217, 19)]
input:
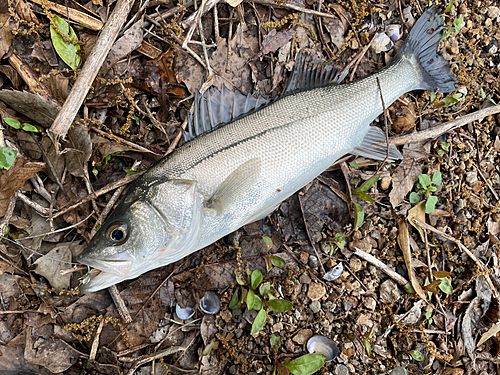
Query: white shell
[(334, 273), (393, 32), (323, 345), (184, 314), (210, 303), (382, 43)]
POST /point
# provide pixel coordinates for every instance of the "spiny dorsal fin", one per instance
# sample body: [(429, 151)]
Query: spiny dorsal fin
[(217, 107), (310, 72)]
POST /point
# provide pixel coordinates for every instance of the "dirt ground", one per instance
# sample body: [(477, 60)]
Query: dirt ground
[(397, 270)]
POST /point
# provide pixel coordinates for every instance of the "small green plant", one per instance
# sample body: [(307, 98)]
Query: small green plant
[(426, 186), (454, 26), (339, 240), (366, 339), (106, 160), (271, 260), (441, 147), (485, 97), (359, 213), (17, 125), (305, 365), (416, 355), (428, 317), (257, 296)]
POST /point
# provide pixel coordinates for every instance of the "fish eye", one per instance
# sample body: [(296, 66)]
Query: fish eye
[(117, 233)]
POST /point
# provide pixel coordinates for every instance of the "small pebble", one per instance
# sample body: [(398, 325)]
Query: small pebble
[(290, 346), (399, 371), (302, 336), (304, 279), (355, 264), (471, 177), (369, 303), (341, 370), (347, 305), (313, 262), (278, 327), (315, 306), (316, 291), (389, 292), (385, 182), (493, 12)]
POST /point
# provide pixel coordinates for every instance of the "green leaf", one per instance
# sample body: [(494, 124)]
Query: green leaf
[(67, 51), (208, 348), (457, 24), (275, 341), (256, 279), (368, 346), (449, 6), (483, 94), (359, 215), (280, 305), (445, 285), (264, 289), (437, 178), (12, 122), (448, 101), (354, 164), (441, 274), (491, 100), (363, 196), (268, 241), (372, 332), (30, 128), (368, 184), (414, 197), (259, 321), (417, 356), (258, 303), (307, 364), (277, 261), (235, 301), (250, 299), (409, 288), (339, 237), (430, 205), (428, 315), (95, 172), (239, 280), (7, 157), (131, 172), (424, 180), (432, 188), (432, 96)]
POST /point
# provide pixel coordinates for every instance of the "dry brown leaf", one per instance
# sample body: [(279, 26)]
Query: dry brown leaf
[(25, 12), (14, 178), (78, 150), (56, 160), (336, 30), (5, 34), (53, 354), (12, 75), (44, 51), (404, 244), (274, 40), (417, 212), (407, 172), (28, 145), (51, 265)]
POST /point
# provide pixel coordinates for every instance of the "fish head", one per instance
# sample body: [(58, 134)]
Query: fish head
[(147, 229)]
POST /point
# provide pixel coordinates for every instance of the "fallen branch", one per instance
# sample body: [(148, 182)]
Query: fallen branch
[(89, 71), (438, 130)]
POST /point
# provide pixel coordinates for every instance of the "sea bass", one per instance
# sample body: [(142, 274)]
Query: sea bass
[(249, 154)]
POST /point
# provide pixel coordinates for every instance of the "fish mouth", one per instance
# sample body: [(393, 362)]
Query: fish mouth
[(96, 280), (118, 264)]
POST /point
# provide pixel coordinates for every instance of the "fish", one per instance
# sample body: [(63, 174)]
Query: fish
[(244, 155)]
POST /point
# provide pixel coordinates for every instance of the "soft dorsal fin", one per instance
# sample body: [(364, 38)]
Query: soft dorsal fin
[(219, 106), (310, 72)]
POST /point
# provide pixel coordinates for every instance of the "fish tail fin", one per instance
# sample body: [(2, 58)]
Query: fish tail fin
[(422, 43)]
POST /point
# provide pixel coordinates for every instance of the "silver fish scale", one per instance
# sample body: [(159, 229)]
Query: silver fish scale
[(296, 138)]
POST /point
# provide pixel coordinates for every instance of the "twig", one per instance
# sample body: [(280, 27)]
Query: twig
[(294, 7), (39, 188), (479, 264), (111, 202), (120, 304), (173, 145), (382, 266), (99, 192), (149, 358), (95, 343), (487, 183), (201, 11), (437, 130), (385, 125), (41, 210), (8, 215), (343, 166), (121, 140), (89, 71)]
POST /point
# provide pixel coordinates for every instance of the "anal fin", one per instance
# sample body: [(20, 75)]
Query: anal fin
[(235, 185), (374, 146)]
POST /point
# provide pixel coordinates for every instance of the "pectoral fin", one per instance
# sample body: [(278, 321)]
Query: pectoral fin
[(374, 146), (235, 185)]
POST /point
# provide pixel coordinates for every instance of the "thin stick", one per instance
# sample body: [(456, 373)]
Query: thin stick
[(98, 193), (95, 343), (120, 304), (385, 123), (121, 140), (440, 129), (294, 7), (89, 71), (382, 266), (479, 264), (145, 359), (41, 210), (8, 215)]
